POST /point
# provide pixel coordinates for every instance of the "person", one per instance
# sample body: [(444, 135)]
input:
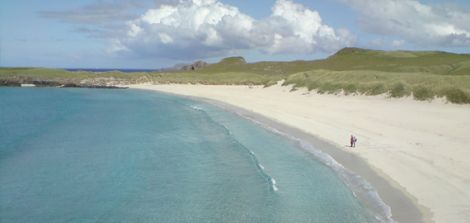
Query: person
[(351, 141)]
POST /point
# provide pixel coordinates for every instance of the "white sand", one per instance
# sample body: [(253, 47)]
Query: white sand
[(423, 147)]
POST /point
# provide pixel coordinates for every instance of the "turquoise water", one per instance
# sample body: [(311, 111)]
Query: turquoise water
[(92, 155)]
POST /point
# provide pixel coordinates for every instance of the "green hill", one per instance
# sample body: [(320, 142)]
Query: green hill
[(434, 62)]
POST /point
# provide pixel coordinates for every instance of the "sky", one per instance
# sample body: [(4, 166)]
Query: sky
[(150, 34)]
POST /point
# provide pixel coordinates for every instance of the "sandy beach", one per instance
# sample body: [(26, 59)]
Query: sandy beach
[(419, 148)]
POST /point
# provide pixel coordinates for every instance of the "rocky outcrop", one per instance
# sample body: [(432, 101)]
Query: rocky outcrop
[(195, 66), (10, 83), (56, 83)]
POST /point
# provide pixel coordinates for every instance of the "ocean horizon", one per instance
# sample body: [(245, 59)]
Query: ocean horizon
[(95, 155)]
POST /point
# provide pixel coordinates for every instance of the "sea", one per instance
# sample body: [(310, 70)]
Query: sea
[(113, 155)]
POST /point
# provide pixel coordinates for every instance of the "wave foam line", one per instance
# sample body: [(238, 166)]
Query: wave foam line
[(261, 168), (197, 108), (274, 185), (258, 165), (359, 187)]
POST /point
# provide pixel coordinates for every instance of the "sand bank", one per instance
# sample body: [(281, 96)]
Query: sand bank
[(419, 148)]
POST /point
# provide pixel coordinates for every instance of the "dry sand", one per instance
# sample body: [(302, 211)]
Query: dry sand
[(421, 148)]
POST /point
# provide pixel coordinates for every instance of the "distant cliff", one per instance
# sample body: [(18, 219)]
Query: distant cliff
[(195, 66)]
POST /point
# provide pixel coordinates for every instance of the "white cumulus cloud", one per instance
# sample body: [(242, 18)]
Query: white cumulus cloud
[(414, 21), (204, 28)]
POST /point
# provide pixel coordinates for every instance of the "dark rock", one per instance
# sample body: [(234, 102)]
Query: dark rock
[(54, 83), (44, 83), (195, 66), (10, 83)]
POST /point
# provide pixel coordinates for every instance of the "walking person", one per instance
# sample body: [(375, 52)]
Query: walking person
[(351, 141)]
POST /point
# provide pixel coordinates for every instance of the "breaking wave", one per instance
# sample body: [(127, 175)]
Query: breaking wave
[(360, 188), (261, 169)]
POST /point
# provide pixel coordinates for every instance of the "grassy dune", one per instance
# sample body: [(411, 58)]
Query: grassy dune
[(422, 86), (222, 78), (421, 74)]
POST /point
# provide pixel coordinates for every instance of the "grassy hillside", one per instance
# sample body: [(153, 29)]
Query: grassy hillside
[(220, 78), (421, 74), (60, 76), (37, 73), (434, 62)]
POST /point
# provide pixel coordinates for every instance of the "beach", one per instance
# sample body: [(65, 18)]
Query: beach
[(412, 152)]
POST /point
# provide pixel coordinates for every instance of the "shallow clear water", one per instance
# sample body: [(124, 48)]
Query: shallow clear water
[(93, 155)]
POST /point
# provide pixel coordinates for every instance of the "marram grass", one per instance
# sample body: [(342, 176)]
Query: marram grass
[(421, 86)]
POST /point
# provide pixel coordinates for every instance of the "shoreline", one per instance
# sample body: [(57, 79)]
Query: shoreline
[(403, 207), (418, 147), (58, 84), (396, 199)]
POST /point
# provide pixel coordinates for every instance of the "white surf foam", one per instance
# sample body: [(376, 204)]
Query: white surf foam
[(359, 187), (259, 166), (274, 185), (195, 107)]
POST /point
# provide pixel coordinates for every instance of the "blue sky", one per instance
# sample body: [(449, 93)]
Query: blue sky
[(161, 33)]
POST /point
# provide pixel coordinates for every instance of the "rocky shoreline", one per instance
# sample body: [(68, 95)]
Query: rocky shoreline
[(60, 84)]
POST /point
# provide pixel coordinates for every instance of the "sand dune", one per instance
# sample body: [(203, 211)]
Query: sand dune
[(421, 147)]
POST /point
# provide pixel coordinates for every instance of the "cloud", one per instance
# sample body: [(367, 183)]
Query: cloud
[(99, 12), (102, 19), (397, 43), (203, 28), (413, 21), (385, 43)]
